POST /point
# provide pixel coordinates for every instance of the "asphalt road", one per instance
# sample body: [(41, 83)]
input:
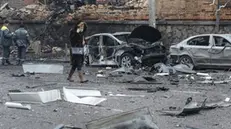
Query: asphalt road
[(47, 116)]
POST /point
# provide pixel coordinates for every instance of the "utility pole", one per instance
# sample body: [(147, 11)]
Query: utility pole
[(152, 12), (218, 16)]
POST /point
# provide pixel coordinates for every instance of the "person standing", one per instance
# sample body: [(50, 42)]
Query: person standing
[(77, 51), (6, 42), (22, 42)]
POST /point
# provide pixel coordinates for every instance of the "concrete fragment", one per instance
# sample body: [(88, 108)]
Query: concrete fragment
[(17, 105), (137, 119), (35, 97)]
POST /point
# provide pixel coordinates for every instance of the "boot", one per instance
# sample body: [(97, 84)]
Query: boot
[(8, 62), (3, 62), (70, 75), (81, 78)]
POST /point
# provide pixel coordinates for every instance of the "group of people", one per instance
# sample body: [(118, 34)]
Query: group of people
[(19, 38)]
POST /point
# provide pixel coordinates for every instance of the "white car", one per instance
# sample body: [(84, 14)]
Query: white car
[(203, 50)]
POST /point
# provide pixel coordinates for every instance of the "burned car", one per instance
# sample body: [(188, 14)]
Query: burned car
[(125, 49), (203, 50)]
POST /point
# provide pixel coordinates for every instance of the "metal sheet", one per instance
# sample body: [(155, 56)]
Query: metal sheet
[(36, 97)]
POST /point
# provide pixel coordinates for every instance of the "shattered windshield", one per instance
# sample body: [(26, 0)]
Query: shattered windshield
[(122, 37)]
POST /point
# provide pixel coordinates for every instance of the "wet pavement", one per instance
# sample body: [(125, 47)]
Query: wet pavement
[(47, 116)]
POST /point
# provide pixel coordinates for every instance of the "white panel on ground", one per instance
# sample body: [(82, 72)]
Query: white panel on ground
[(71, 97), (43, 68), (79, 93), (36, 97)]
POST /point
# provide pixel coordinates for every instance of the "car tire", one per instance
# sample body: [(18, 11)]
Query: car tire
[(186, 60), (126, 60)]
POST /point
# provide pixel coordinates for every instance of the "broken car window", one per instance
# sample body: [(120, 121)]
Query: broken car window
[(123, 38), (220, 41), (108, 41), (199, 41), (94, 41)]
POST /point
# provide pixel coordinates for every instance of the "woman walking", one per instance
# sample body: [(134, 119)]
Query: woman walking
[(77, 51)]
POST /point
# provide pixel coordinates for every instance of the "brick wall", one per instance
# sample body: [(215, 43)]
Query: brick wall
[(190, 10), (17, 3)]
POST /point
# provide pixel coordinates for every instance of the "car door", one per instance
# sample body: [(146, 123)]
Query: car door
[(220, 51), (198, 48), (94, 48), (110, 45)]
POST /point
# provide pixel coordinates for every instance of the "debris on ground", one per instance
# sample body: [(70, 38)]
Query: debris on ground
[(184, 68), (18, 105), (73, 95), (137, 119), (213, 82), (124, 95), (162, 68), (150, 90), (62, 126), (44, 85), (142, 80), (218, 104), (189, 109), (35, 97), (18, 75), (122, 70), (43, 68)]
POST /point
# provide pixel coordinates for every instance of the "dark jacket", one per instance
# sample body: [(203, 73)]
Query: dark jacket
[(21, 37), (6, 37), (76, 38)]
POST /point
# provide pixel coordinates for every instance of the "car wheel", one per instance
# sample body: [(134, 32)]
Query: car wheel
[(185, 60), (126, 60)]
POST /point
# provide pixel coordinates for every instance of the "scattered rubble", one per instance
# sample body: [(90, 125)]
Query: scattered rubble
[(137, 119), (189, 109), (185, 68), (150, 90), (194, 107), (38, 11), (62, 126)]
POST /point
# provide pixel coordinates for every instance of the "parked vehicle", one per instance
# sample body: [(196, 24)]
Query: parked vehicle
[(126, 49), (203, 50)]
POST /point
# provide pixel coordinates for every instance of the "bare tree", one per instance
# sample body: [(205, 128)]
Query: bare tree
[(219, 7)]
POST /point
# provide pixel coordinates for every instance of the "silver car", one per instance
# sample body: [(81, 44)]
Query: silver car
[(203, 50), (101, 47)]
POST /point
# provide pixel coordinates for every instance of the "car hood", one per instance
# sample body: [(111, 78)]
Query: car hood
[(146, 33)]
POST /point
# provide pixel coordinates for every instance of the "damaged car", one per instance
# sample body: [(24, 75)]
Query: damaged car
[(203, 50), (126, 49)]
